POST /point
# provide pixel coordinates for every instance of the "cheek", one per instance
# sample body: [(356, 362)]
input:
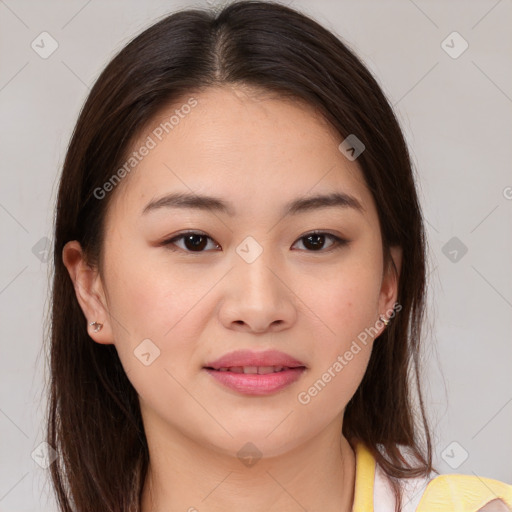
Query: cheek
[(147, 303), (346, 304), (347, 299), (343, 344), (157, 335), (151, 296)]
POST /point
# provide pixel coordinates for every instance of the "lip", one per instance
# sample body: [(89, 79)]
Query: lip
[(254, 383), (251, 358)]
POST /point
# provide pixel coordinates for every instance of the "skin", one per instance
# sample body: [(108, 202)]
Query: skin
[(257, 152)]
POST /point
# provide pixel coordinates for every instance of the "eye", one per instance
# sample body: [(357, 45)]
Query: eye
[(316, 240), (195, 241)]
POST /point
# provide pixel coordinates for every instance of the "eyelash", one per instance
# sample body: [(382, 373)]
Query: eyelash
[(338, 242)]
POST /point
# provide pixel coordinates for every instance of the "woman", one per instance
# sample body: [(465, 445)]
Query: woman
[(239, 282)]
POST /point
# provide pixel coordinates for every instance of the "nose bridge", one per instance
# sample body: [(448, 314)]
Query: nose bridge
[(256, 264)]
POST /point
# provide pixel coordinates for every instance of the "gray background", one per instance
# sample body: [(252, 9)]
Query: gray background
[(456, 116)]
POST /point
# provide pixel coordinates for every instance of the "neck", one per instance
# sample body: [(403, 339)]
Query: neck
[(185, 476)]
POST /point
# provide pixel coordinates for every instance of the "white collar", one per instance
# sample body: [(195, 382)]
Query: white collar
[(384, 499)]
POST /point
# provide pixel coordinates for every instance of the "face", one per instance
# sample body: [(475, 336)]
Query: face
[(252, 275)]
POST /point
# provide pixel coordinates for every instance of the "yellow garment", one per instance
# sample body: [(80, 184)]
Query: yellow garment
[(444, 493)]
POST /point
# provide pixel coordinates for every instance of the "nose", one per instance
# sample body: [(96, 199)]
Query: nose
[(258, 297)]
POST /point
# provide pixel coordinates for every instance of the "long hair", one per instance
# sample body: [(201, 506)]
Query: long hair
[(93, 416)]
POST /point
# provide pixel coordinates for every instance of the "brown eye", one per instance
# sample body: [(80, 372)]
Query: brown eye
[(193, 241), (315, 242)]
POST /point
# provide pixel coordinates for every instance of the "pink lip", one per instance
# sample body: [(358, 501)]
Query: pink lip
[(251, 358), (255, 384)]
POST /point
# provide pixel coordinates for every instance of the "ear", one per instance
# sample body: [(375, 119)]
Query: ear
[(390, 280), (89, 292)]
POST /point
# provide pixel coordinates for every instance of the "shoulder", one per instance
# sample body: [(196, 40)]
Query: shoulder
[(443, 493), (433, 493), (470, 493), (384, 498)]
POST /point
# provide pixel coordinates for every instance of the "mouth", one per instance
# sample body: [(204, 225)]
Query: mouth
[(256, 380), (255, 373), (260, 370)]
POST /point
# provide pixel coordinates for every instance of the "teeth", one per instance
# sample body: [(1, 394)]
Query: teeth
[(260, 370)]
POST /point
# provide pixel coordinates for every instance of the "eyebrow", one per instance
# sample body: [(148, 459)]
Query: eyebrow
[(203, 202)]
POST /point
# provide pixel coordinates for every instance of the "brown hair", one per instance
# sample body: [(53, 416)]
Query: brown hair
[(94, 421)]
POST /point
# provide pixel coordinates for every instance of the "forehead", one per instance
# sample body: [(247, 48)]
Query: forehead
[(248, 146)]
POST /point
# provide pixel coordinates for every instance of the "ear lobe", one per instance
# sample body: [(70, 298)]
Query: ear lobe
[(89, 291)]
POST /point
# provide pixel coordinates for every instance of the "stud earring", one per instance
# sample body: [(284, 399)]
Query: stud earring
[(384, 320), (97, 326)]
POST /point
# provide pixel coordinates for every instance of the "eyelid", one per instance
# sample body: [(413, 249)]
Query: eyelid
[(338, 240), (170, 241)]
